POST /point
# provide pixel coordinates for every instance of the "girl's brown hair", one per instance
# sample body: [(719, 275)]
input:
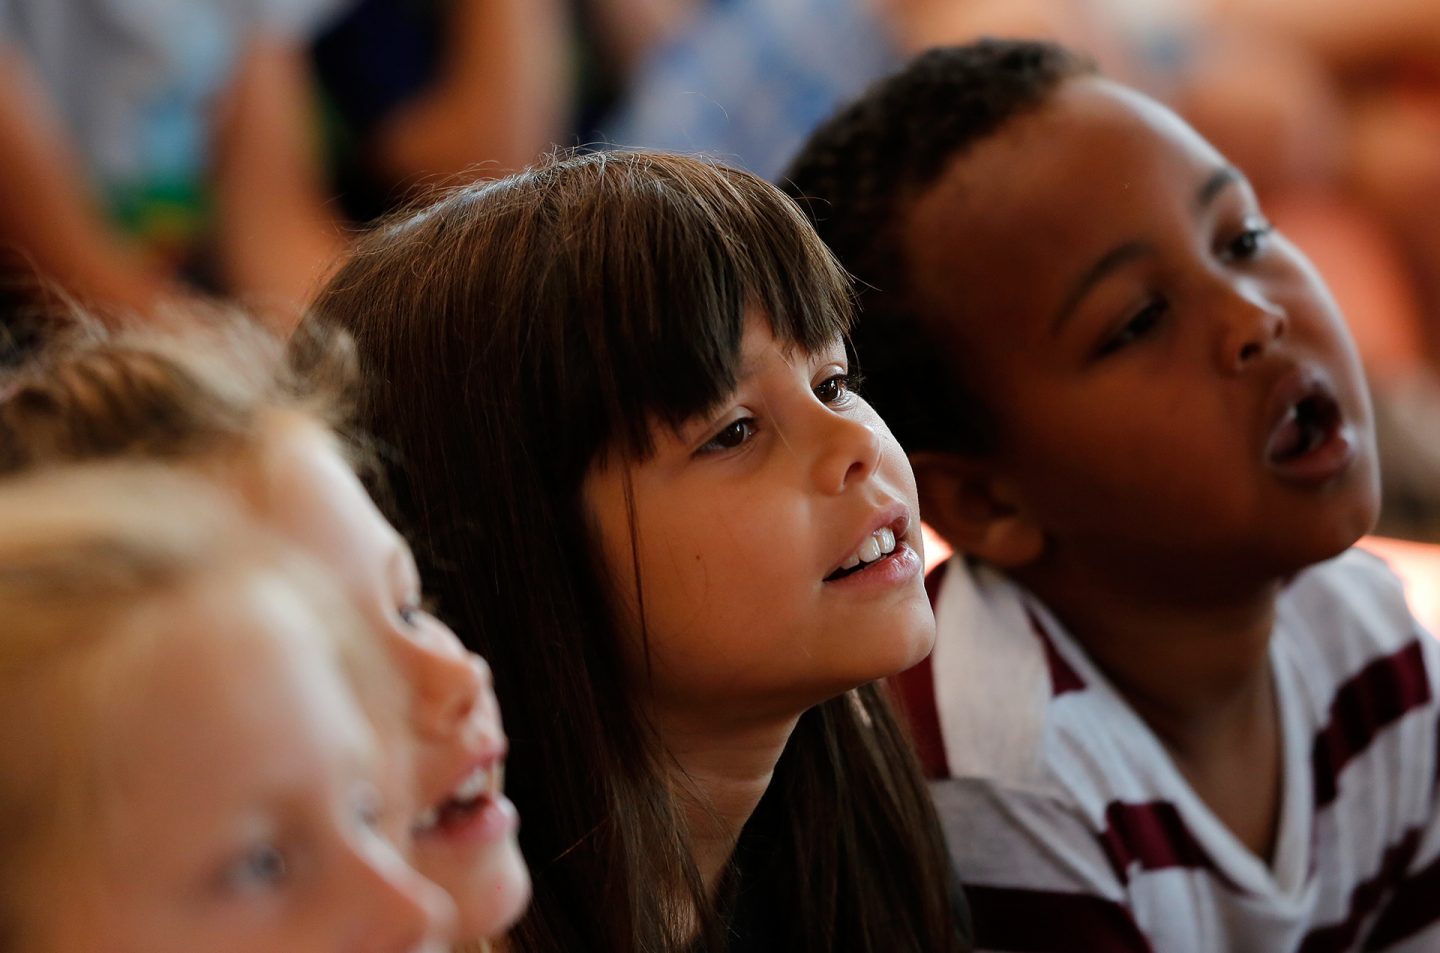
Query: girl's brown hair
[(512, 335)]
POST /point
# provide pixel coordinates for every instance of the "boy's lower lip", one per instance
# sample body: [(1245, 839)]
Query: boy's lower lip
[(1322, 464), (897, 567)]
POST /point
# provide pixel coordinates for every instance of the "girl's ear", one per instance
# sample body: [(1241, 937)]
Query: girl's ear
[(975, 511)]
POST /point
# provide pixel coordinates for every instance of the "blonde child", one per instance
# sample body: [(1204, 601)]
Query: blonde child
[(187, 761), (222, 399)]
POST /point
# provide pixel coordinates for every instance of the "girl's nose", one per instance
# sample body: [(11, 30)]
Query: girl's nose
[(397, 910), (849, 453), (447, 681)]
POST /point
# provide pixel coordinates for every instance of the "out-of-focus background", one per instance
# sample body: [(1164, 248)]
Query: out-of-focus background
[(159, 149)]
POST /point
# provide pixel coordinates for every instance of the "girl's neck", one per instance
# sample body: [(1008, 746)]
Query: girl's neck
[(719, 772)]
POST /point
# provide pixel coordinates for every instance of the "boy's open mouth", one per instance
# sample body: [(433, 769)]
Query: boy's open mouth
[(1308, 425), (1310, 441)]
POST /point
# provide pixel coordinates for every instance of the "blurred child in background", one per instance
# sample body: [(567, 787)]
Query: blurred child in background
[(223, 400), (187, 759)]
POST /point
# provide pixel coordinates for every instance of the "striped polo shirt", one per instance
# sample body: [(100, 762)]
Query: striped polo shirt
[(1073, 830)]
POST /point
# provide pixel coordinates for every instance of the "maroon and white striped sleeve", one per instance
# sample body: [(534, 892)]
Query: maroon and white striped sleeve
[(1036, 872)]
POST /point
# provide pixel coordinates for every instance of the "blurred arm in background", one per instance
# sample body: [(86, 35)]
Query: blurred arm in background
[(51, 222), (499, 99), (276, 238)]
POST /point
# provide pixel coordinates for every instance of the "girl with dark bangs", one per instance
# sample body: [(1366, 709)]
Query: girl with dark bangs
[(620, 406)]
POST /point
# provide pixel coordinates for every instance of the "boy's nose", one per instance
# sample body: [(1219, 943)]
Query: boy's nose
[(849, 453), (1254, 326)]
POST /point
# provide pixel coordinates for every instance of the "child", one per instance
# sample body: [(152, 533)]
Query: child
[(222, 400), (186, 765), (618, 392), (1177, 714)]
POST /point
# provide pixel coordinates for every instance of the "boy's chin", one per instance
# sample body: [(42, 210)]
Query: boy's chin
[(1319, 525), (1328, 539)]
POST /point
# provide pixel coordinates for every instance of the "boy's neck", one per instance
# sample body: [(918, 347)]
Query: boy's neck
[(1182, 663), (1197, 672)]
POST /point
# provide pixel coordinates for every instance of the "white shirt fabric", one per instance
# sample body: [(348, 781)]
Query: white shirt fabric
[(1073, 830)]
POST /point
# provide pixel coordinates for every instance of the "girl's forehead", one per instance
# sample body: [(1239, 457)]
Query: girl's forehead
[(761, 346)]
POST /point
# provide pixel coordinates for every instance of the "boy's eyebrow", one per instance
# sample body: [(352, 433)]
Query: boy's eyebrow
[(1123, 254), (1096, 273), (1219, 179)]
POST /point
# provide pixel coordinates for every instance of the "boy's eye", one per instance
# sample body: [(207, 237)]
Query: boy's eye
[(1142, 323), (1249, 242), (835, 389), (260, 867), (733, 435)]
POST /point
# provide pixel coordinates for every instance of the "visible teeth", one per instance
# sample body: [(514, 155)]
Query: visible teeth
[(476, 784), (880, 543), (869, 550)]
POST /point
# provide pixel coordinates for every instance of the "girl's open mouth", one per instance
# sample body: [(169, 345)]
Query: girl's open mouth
[(883, 558), (876, 547)]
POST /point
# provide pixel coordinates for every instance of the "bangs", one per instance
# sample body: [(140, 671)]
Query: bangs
[(660, 260)]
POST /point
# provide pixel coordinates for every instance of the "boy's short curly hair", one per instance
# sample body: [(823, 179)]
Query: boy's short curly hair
[(857, 177)]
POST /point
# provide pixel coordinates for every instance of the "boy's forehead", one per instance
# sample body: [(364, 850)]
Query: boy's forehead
[(1018, 213)]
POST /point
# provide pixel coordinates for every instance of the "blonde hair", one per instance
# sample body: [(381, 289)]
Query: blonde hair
[(83, 550), (200, 384)]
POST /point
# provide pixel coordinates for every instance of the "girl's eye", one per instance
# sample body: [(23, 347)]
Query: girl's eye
[(261, 867), (1249, 243), (733, 435), (835, 389), (1143, 323)]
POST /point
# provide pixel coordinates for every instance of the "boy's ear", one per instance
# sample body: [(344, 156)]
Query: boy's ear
[(975, 511)]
